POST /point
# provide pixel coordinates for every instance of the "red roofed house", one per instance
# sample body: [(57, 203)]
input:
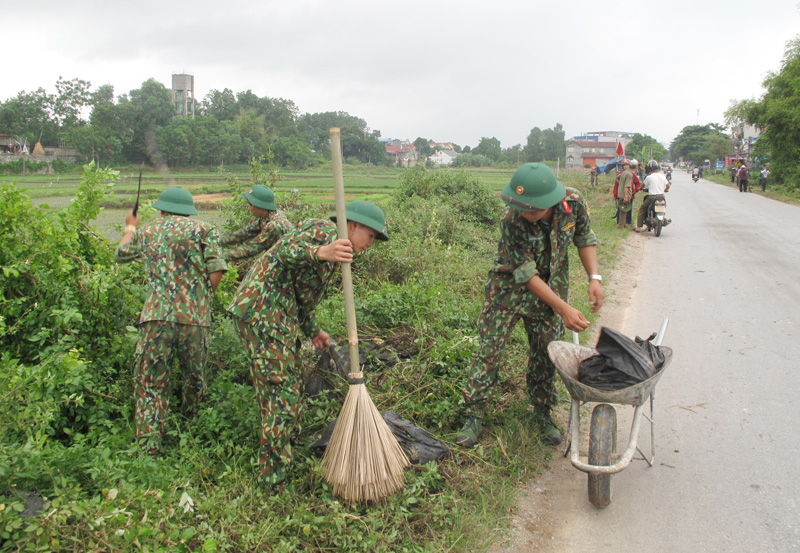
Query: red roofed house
[(401, 153)]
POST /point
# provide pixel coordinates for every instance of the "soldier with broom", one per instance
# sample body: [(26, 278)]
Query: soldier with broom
[(260, 235), (530, 281), (275, 302)]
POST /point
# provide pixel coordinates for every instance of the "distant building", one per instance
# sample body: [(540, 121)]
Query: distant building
[(442, 146), (401, 153), (443, 158), (595, 148), (183, 94), (594, 153)]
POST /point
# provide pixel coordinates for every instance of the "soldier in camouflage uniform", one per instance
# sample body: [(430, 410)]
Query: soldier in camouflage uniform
[(275, 302), (183, 264), (530, 281), (259, 236)]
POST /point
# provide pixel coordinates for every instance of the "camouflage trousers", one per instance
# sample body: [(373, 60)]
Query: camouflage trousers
[(499, 315), (278, 384), (159, 342)]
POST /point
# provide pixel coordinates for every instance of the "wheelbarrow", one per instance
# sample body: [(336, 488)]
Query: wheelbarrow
[(603, 461)]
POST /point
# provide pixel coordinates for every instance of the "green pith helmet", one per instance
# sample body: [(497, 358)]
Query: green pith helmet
[(533, 186), (260, 196), (176, 200), (368, 214)]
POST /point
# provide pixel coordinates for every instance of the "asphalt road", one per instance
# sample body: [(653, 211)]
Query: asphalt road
[(726, 273)]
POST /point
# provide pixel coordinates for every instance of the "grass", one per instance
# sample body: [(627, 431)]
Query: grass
[(418, 295)]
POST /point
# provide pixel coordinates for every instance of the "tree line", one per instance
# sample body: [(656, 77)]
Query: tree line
[(228, 128), (143, 125)]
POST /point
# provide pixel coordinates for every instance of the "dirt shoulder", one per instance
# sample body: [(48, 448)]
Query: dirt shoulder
[(542, 519)]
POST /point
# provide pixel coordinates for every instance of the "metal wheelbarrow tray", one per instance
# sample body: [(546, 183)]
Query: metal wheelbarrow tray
[(603, 460)]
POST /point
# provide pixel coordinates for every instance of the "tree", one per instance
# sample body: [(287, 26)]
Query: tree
[(644, 147), (718, 145), (73, 96), (29, 115), (149, 107), (423, 147), (221, 105), (777, 114), (692, 144), (533, 146), (513, 155), (553, 144), (489, 148)]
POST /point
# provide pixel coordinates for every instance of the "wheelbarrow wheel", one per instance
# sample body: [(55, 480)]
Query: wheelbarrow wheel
[(602, 446)]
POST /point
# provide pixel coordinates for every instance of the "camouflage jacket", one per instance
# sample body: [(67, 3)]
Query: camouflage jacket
[(257, 237), (178, 255), (529, 249), (284, 286)]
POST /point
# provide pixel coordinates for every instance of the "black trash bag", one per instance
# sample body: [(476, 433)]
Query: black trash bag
[(34, 501), (619, 363), (419, 446), (653, 351), (330, 373)]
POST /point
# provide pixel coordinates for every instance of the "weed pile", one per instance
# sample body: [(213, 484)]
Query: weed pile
[(66, 414)]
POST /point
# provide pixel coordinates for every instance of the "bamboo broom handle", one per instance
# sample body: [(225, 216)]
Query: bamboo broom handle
[(341, 225)]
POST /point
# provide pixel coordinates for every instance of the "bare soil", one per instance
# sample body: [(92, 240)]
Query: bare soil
[(542, 518)]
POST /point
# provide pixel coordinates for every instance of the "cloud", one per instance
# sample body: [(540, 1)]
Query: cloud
[(444, 70)]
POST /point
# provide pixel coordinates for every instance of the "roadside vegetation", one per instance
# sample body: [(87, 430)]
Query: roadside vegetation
[(66, 414)]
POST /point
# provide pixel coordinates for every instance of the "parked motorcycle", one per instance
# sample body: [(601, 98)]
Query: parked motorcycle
[(656, 217)]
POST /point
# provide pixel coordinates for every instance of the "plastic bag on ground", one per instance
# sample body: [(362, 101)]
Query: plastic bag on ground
[(329, 375), (419, 446)]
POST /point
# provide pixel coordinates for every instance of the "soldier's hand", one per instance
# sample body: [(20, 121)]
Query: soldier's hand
[(321, 340), (131, 219), (595, 295), (341, 250), (574, 319)]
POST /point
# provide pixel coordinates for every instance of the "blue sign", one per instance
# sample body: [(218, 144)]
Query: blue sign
[(720, 164)]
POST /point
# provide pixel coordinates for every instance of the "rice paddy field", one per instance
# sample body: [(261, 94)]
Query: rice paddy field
[(210, 189)]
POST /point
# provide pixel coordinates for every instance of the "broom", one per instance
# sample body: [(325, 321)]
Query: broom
[(363, 460)]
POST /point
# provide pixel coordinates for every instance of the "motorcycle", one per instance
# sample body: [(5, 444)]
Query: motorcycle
[(656, 217), (695, 178)]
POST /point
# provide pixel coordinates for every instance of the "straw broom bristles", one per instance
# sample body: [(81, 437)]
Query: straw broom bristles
[(363, 460)]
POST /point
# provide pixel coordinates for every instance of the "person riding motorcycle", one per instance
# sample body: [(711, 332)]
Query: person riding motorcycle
[(656, 184)]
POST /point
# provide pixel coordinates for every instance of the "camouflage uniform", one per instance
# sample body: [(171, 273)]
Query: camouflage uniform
[(525, 250), (624, 208), (178, 255), (257, 237), (274, 303)]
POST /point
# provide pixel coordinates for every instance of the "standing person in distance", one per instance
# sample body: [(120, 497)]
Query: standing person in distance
[(261, 234), (762, 178), (183, 264), (623, 194), (529, 281), (743, 176)]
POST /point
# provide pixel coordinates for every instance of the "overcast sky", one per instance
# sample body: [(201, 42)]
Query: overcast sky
[(443, 70)]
